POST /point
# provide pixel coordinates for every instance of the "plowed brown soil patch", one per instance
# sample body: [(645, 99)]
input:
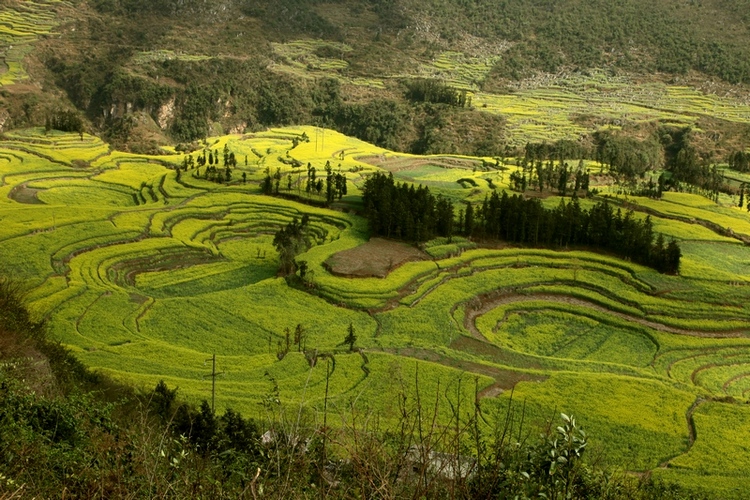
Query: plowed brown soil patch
[(376, 258)]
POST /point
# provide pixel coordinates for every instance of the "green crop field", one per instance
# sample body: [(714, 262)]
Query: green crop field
[(145, 276)]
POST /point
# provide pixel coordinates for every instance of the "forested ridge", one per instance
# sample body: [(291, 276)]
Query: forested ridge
[(219, 67)]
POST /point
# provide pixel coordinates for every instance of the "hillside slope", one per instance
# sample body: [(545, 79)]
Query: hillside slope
[(151, 73)]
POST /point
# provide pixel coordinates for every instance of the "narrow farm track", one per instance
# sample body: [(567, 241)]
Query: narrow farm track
[(504, 379), (511, 298), (688, 358), (709, 366), (148, 304), (87, 309), (692, 432), (32, 152), (735, 379)]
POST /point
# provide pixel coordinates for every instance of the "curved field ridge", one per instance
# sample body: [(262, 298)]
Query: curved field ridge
[(145, 275), (489, 304)]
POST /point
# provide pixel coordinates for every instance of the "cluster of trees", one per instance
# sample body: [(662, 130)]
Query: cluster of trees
[(540, 175), (623, 155), (298, 338), (271, 183), (335, 183), (744, 200), (402, 211), (629, 159), (290, 241), (210, 160), (64, 120), (739, 161), (687, 166), (527, 221), (561, 150), (628, 156), (332, 186), (436, 92), (399, 210)]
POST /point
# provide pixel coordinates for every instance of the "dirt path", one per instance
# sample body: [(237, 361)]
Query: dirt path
[(87, 309), (733, 380), (692, 433), (504, 379)]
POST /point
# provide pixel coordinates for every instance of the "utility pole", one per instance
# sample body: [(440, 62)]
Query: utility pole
[(213, 381), (325, 408)]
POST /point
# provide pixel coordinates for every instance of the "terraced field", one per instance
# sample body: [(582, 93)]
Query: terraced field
[(145, 275), (21, 24), (546, 109)]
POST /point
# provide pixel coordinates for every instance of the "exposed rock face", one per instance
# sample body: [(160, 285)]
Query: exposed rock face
[(165, 114), (238, 129), (4, 118)]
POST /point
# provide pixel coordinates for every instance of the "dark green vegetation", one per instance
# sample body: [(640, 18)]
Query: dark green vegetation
[(401, 211)]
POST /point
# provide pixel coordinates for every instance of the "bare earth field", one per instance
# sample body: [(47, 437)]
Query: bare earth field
[(376, 258)]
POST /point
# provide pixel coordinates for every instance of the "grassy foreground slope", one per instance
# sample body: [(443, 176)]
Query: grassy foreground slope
[(145, 275)]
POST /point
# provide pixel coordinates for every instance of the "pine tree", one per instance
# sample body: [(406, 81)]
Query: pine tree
[(673, 255), (299, 334), (350, 338)]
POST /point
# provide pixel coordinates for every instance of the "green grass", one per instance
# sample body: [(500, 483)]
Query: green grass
[(532, 328), (718, 427), (635, 423)]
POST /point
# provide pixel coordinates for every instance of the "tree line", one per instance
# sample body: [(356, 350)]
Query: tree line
[(526, 221), (210, 160), (629, 159), (436, 92), (402, 211), (333, 185), (739, 161), (64, 120)]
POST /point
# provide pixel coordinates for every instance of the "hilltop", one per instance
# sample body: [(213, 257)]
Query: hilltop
[(146, 74)]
